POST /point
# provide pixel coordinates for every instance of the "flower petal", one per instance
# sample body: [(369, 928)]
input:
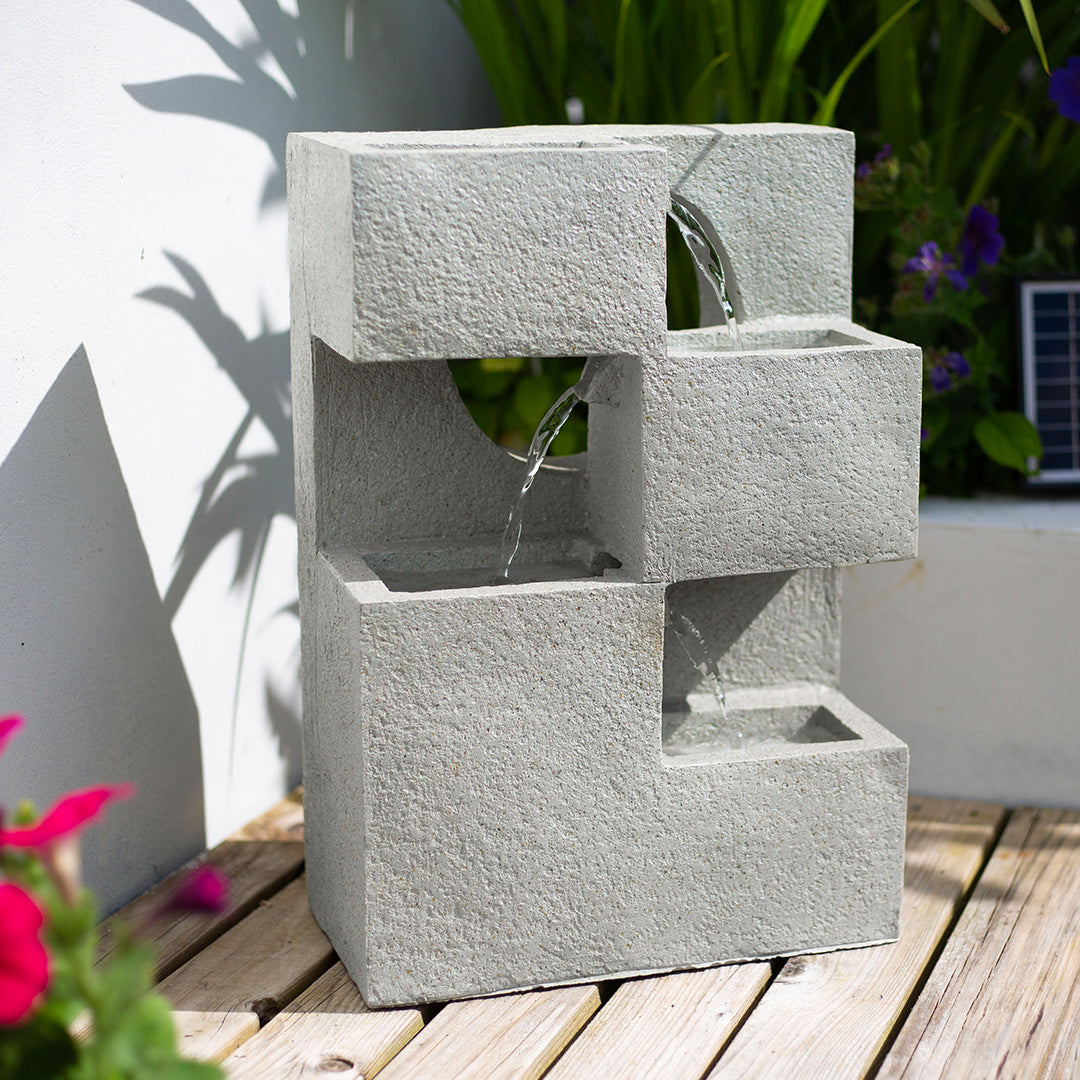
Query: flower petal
[(1064, 89), (205, 889), (24, 963), (9, 725), (68, 815), (956, 362), (956, 279), (939, 379)]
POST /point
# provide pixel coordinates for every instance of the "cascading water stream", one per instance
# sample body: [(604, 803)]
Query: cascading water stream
[(546, 432), (708, 261), (699, 654)]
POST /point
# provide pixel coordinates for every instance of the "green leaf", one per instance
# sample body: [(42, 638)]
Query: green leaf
[(533, 396), (1033, 29), (1009, 439), (36, 1049), (825, 112), (991, 14)]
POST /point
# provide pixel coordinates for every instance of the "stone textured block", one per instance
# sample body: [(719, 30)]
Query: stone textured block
[(510, 243), (494, 806), (800, 450), (529, 784), (778, 201)]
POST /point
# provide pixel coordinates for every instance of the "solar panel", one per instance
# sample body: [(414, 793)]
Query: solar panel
[(1050, 354)]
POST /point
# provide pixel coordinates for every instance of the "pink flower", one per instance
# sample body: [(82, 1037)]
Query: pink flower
[(68, 815), (8, 726), (204, 889), (24, 963)]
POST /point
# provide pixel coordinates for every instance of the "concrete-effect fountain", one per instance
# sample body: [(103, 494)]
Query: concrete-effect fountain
[(528, 784)]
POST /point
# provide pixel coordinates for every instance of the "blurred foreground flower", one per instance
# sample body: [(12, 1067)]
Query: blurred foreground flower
[(24, 963), (204, 889), (1065, 88), (50, 985)]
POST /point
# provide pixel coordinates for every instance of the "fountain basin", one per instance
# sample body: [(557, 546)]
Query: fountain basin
[(799, 450)]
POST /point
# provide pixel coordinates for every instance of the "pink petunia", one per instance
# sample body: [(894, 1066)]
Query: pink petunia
[(24, 963), (204, 889), (8, 726), (68, 815)]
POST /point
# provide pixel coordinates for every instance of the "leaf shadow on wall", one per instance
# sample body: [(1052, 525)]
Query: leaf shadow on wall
[(323, 65), (87, 652), (327, 65), (244, 492)]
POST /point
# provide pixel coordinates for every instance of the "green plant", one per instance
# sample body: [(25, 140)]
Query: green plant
[(941, 78), (50, 986), (948, 275)]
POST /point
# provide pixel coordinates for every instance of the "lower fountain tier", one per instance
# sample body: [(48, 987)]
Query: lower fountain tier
[(491, 803)]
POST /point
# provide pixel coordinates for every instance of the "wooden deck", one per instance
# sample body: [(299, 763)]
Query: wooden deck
[(985, 981)]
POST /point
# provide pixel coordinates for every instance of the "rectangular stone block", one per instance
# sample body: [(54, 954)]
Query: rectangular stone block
[(503, 243), (495, 798), (799, 450)]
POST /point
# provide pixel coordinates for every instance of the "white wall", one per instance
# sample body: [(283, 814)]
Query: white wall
[(971, 652), (145, 442)]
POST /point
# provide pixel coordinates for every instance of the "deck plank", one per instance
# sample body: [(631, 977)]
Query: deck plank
[(257, 860), (828, 1016), (1004, 998), (665, 1026), (512, 1037), (221, 995), (327, 1029)]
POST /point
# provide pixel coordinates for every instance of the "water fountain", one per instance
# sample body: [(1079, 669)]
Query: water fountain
[(535, 782)]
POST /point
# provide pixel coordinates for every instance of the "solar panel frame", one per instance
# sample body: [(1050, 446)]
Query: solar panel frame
[(1050, 368)]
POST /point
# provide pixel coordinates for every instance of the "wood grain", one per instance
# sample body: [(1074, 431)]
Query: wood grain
[(327, 1030), (247, 975), (513, 1037), (829, 1016), (254, 871), (666, 1026), (1004, 998)]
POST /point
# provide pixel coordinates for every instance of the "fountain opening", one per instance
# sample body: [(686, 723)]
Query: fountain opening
[(691, 734), (708, 261)]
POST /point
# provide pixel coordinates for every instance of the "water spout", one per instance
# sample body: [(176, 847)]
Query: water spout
[(708, 262)]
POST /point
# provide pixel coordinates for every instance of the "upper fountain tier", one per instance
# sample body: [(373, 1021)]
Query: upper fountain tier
[(799, 450), (551, 241)]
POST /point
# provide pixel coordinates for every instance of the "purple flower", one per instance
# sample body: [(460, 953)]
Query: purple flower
[(980, 240), (883, 154), (957, 364), (939, 378), (931, 262), (923, 433), (1065, 88), (863, 171)]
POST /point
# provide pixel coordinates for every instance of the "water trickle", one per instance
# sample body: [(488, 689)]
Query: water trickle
[(708, 261), (699, 654), (546, 432)]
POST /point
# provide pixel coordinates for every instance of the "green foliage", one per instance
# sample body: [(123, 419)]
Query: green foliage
[(963, 106), (129, 1029), (508, 396)]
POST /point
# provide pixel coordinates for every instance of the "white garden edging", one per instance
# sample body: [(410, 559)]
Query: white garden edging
[(971, 652)]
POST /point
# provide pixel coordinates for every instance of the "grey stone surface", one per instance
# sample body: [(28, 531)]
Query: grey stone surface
[(531, 784), (495, 807), (510, 247), (800, 450)]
